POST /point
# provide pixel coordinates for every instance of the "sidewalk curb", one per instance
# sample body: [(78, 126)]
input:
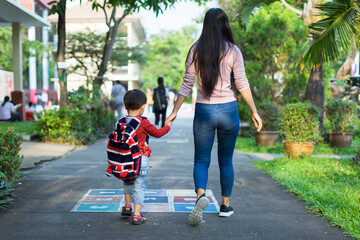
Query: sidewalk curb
[(36, 153), (272, 156)]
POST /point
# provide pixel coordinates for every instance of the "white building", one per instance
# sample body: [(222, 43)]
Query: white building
[(82, 17)]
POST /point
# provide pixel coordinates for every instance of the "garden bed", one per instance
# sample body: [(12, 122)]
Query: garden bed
[(248, 145), (329, 187)]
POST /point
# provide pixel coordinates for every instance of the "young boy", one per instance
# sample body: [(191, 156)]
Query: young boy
[(135, 101)]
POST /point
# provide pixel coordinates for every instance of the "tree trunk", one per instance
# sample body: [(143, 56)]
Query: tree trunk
[(109, 44), (315, 93), (60, 56), (345, 68)]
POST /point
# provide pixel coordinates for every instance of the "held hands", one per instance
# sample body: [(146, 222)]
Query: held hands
[(257, 121), (170, 118)]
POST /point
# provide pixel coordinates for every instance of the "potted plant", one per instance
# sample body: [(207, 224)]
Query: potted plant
[(340, 122), (270, 115), (300, 125)]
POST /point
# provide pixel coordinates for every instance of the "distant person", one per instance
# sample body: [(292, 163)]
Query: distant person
[(135, 101), (216, 111), (150, 101), (160, 97), (117, 103), (8, 110), (30, 112), (44, 99)]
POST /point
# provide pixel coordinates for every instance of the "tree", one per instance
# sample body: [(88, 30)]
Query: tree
[(315, 91), (86, 48), (337, 31), (271, 46), (59, 7), (166, 57), (5, 49), (128, 6), (113, 23)]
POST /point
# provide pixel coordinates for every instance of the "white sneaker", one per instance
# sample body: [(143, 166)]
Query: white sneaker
[(195, 217)]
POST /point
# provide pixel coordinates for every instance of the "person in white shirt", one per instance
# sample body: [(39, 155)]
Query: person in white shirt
[(8, 111), (44, 99), (118, 92)]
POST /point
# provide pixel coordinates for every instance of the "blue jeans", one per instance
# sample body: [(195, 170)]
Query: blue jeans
[(137, 187), (209, 119)]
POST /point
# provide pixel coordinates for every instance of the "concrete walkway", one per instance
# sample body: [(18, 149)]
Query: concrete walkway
[(263, 209)]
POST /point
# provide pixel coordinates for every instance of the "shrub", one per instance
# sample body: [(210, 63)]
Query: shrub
[(6, 195), (103, 121), (66, 125), (10, 158), (340, 115), (299, 122), (75, 126), (270, 115)]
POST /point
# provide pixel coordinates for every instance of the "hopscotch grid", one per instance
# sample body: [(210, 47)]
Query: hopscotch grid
[(169, 194)]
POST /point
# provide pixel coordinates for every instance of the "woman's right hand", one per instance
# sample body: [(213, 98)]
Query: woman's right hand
[(171, 118), (257, 121)]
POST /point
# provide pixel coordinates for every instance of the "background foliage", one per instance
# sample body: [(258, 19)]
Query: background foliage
[(166, 57)]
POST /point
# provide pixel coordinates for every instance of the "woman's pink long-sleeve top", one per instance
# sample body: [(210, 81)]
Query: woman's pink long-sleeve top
[(222, 93)]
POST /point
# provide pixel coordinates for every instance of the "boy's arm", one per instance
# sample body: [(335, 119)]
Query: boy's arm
[(153, 131)]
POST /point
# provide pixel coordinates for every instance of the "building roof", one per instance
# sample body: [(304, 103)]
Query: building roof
[(11, 11)]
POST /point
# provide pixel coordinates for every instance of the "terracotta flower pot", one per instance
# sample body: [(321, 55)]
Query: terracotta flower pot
[(296, 149), (266, 138), (340, 140)]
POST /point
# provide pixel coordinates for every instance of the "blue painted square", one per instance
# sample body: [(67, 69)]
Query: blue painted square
[(98, 207), (155, 192), (183, 207), (106, 192), (156, 199)]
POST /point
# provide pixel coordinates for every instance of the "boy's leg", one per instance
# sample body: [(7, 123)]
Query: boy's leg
[(128, 199), (140, 185), (128, 192)]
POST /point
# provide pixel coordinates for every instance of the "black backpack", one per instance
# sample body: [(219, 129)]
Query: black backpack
[(160, 102)]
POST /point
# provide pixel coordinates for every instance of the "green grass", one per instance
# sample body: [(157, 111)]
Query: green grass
[(22, 127), (248, 145), (329, 187)]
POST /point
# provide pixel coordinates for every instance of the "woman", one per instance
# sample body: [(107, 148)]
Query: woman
[(160, 97), (213, 59), (8, 111)]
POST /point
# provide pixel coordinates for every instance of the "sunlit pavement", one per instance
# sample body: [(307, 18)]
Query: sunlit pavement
[(48, 195)]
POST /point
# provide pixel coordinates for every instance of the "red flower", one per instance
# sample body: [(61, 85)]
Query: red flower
[(6, 148), (8, 164)]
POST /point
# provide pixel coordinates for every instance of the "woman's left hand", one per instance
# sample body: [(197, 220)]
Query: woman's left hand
[(257, 121)]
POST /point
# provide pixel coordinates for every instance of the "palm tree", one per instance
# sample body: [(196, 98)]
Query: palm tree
[(334, 26), (337, 31)]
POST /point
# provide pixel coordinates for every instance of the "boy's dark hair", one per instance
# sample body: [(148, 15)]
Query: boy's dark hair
[(134, 99)]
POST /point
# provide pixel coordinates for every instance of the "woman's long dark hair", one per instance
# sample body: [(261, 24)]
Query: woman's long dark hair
[(6, 99), (211, 48)]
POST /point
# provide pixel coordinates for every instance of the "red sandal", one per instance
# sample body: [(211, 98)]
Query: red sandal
[(138, 219), (126, 210)]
